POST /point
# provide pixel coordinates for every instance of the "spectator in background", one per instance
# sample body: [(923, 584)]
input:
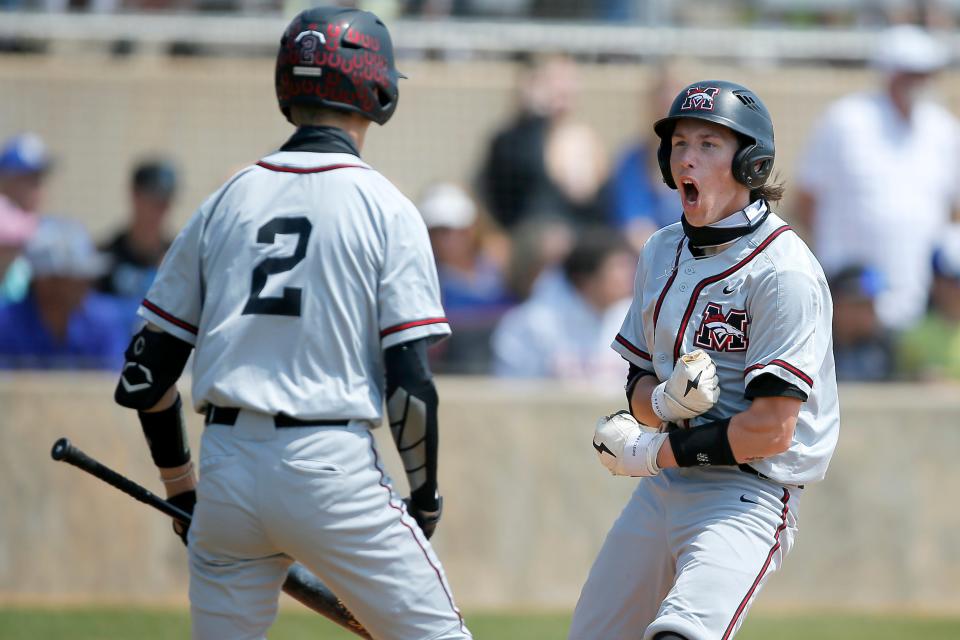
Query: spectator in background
[(538, 247), (931, 350), (61, 324), (564, 330), (16, 228), (864, 351), (879, 178), (136, 252), (640, 202), (472, 284), (24, 167), (545, 163)]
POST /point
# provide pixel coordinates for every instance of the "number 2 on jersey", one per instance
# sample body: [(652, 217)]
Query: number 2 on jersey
[(287, 304)]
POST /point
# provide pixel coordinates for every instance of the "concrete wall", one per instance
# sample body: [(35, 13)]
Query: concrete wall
[(215, 115), (527, 503)]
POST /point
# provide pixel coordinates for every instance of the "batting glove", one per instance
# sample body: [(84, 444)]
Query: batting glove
[(625, 448), (428, 520), (692, 389), (185, 501)]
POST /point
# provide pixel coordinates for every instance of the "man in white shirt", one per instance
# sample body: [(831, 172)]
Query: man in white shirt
[(878, 178), (563, 330)]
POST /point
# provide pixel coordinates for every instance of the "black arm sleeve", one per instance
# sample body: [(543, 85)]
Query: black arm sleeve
[(412, 410)]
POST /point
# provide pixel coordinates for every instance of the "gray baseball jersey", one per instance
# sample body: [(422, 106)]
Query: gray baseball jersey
[(290, 281), (760, 306), (703, 541)]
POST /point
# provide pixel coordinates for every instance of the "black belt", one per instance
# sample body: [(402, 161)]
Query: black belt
[(228, 416)]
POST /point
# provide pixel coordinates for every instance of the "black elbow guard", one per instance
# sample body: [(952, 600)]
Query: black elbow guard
[(154, 361)]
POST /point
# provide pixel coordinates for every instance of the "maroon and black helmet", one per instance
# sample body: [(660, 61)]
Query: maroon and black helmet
[(338, 58), (733, 106)]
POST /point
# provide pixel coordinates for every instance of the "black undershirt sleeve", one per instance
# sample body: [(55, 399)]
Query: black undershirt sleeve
[(767, 385), (634, 374), (412, 403)]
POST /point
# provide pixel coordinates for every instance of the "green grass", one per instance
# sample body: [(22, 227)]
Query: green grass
[(140, 624)]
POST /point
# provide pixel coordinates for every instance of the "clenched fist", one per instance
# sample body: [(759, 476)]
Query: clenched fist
[(692, 388), (625, 448)]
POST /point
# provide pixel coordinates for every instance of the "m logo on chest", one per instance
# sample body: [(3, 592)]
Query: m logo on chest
[(719, 332)]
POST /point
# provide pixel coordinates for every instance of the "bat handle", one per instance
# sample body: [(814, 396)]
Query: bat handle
[(60, 449)]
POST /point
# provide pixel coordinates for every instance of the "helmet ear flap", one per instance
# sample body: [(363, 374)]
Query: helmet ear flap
[(663, 159), (752, 165)]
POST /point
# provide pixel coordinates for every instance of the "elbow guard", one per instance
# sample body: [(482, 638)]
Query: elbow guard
[(154, 362)]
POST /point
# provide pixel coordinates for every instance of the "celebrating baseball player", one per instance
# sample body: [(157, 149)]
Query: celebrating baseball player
[(301, 285), (732, 382)]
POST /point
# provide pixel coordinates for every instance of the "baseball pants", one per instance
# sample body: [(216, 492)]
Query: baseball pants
[(688, 554), (318, 495)]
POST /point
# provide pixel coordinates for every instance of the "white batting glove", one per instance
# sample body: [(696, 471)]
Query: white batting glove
[(625, 448), (692, 388)]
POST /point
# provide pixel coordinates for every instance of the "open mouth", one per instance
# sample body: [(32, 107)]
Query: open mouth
[(691, 192)]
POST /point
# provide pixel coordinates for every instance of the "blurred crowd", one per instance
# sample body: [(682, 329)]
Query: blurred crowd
[(536, 253), (66, 303), (852, 13)]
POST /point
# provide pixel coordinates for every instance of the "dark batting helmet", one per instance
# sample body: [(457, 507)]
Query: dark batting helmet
[(734, 107), (338, 58)]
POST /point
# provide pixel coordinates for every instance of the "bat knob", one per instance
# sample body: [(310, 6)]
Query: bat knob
[(60, 448)]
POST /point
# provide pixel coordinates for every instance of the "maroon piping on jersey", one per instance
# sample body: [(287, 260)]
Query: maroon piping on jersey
[(169, 317), (632, 349), (716, 278), (383, 483), (409, 325), (329, 167), (783, 364), (766, 565), (666, 287)]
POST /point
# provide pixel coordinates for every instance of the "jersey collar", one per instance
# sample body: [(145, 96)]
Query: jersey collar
[(734, 226), (319, 139)]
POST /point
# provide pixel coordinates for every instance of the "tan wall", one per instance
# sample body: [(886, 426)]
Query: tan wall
[(527, 503), (216, 115)]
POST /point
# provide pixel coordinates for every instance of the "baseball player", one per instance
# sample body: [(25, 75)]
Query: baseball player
[(731, 370), (306, 289)]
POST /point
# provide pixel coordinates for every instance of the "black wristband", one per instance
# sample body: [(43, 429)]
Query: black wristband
[(166, 435), (704, 445)]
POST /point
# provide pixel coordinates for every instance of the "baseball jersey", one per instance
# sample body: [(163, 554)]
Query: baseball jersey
[(759, 306), (291, 280)]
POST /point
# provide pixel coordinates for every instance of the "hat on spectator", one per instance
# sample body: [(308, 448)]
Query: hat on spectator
[(63, 247), (16, 226), (908, 48), (946, 255), (24, 153), (445, 204), (157, 177), (857, 281)]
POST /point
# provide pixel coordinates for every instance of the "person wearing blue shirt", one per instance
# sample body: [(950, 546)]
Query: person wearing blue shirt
[(61, 324)]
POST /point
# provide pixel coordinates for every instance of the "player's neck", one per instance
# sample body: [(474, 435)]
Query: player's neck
[(353, 125)]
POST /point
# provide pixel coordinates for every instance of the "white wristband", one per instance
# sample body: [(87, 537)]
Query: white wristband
[(182, 476), (639, 456), (658, 403)]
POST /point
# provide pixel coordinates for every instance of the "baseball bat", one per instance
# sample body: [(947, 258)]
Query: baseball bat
[(301, 584)]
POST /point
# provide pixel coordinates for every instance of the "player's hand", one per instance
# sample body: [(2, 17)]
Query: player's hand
[(625, 448), (185, 501), (427, 519), (692, 389)]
